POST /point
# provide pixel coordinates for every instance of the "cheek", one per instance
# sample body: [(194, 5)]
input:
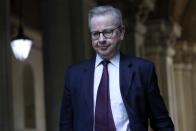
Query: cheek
[(94, 44), (114, 42)]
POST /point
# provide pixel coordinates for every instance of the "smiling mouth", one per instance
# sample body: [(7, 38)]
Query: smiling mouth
[(103, 47)]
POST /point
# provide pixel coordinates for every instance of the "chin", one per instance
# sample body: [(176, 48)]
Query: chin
[(104, 52), (106, 56)]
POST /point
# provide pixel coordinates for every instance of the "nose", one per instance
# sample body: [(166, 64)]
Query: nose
[(101, 38)]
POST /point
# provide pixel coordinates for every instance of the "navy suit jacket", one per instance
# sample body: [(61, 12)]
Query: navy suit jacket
[(139, 90)]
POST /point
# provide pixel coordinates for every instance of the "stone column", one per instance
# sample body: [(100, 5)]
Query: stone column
[(87, 5), (63, 45), (6, 110), (140, 31), (158, 48), (194, 84), (78, 29), (183, 68), (57, 52), (144, 9)]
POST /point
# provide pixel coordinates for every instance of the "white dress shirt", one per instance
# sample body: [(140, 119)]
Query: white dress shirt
[(118, 109)]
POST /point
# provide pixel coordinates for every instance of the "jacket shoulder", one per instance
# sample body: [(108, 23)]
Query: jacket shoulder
[(81, 65), (142, 61), (138, 61), (139, 65)]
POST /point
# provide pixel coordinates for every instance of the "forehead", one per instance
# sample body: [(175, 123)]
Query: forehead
[(102, 22)]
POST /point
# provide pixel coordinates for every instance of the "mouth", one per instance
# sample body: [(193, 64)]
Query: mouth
[(103, 47)]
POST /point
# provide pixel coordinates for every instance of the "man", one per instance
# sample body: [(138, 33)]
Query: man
[(111, 92)]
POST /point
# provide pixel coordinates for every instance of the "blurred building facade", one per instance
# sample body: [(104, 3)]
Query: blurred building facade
[(162, 31)]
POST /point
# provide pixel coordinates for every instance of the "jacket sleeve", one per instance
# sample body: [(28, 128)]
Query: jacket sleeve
[(158, 114), (66, 114)]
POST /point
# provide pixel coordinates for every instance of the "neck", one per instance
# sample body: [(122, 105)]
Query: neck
[(109, 56)]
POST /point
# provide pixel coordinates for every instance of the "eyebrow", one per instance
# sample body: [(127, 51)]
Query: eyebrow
[(109, 28), (103, 30)]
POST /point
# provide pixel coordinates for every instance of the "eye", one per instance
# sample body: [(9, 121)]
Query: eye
[(95, 33), (107, 33)]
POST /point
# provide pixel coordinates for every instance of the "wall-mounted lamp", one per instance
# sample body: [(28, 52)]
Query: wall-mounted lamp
[(21, 44)]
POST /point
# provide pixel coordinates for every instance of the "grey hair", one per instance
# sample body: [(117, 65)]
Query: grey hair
[(102, 10)]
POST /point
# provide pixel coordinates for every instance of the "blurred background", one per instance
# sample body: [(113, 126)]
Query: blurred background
[(163, 31)]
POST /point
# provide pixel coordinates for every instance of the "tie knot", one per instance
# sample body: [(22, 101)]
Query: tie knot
[(105, 62)]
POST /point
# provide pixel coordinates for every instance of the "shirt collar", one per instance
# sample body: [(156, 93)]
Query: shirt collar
[(114, 61)]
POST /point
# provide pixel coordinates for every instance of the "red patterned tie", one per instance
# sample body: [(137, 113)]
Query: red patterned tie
[(103, 114)]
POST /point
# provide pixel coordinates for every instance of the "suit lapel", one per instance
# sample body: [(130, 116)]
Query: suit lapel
[(87, 85), (126, 74)]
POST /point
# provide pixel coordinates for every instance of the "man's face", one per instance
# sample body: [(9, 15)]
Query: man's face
[(106, 47)]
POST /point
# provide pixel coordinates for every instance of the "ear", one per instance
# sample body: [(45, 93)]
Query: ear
[(122, 32)]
